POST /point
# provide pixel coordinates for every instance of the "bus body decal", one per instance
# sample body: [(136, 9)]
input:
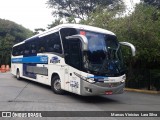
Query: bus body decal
[(32, 59)]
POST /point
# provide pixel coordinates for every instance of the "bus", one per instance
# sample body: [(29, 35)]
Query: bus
[(81, 59)]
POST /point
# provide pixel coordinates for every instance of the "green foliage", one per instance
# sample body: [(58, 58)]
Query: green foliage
[(10, 34), (140, 28), (155, 3), (55, 23), (143, 31), (80, 8), (38, 30)]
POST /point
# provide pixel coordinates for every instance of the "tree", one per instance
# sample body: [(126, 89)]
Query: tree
[(55, 23), (152, 2), (80, 8), (10, 34), (142, 29), (38, 30)]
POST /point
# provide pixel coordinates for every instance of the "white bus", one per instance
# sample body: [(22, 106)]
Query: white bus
[(81, 59)]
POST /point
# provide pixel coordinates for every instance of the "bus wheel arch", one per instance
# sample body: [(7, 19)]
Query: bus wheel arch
[(56, 84), (18, 74)]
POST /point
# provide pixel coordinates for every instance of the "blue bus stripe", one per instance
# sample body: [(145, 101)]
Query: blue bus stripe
[(32, 59)]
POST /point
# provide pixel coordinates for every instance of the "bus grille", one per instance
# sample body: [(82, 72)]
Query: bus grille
[(108, 84)]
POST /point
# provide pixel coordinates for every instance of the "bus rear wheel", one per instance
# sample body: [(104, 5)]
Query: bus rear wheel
[(56, 85), (18, 75)]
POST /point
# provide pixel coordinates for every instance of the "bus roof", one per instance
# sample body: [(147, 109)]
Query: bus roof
[(85, 27), (76, 26)]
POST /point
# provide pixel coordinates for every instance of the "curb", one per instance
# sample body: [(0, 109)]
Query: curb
[(142, 91)]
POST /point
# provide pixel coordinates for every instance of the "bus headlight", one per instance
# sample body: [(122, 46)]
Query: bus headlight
[(90, 80), (122, 81)]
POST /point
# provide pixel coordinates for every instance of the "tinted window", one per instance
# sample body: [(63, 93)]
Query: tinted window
[(41, 45), (72, 48), (21, 49), (33, 47), (50, 43), (30, 47), (26, 50), (64, 33), (14, 51), (74, 56), (18, 50), (53, 43)]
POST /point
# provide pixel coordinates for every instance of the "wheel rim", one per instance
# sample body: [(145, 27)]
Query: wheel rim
[(57, 85)]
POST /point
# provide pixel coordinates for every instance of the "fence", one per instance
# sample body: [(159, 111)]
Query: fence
[(148, 79)]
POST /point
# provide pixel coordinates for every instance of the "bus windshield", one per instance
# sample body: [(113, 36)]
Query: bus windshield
[(104, 55)]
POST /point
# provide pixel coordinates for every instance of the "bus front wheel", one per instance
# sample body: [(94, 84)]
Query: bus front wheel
[(56, 85)]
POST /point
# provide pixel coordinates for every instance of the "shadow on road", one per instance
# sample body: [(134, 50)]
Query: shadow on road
[(91, 99), (81, 99)]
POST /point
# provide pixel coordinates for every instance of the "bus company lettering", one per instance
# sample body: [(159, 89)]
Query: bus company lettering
[(44, 59), (74, 84)]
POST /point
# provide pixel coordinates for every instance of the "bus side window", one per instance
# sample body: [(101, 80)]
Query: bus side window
[(33, 48), (64, 33), (14, 51), (42, 45), (21, 49), (54, 43), (26, 50)]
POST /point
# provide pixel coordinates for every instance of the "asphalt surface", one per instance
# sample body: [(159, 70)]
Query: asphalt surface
[(25, 95)]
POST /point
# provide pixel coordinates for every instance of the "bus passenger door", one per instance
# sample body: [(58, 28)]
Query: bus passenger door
[(73, 58)]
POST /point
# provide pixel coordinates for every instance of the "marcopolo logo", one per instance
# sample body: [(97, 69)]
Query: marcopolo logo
[(55, 59)]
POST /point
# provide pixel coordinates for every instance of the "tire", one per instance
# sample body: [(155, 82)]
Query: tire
[(18, 75), (56, 85)]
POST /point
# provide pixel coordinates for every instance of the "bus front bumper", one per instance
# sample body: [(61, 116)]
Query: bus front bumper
[(89, 89)]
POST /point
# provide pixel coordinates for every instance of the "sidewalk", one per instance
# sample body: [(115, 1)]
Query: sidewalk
[(142, 91)]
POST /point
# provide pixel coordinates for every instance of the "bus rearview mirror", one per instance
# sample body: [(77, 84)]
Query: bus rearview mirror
[(133, 49), (83, 39)]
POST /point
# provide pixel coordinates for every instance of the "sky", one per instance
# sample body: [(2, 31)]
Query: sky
[(131, 3), (28, 13), (32, 14)]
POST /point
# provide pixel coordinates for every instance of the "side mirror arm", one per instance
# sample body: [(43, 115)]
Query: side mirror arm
[(133, 49), (83, 40)]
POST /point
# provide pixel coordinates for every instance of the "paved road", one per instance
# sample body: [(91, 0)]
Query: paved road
[(25, 95)]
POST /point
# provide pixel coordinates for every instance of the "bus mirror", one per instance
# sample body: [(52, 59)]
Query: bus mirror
[(133, 49), (83, 40)]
